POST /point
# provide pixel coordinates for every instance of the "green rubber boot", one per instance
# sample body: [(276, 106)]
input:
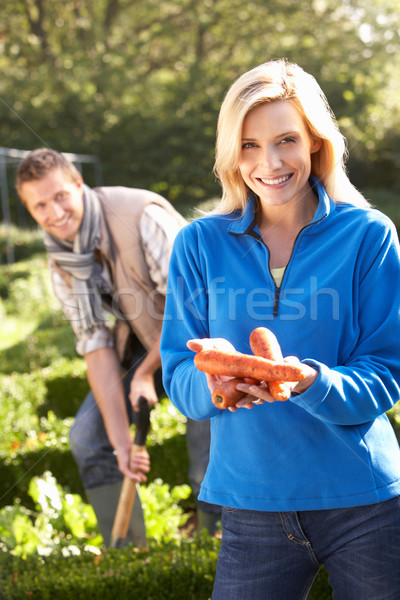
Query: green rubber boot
[(104, 500)]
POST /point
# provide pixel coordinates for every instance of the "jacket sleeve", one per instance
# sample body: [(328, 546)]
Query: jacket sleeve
[(185, 318), (367, 384)]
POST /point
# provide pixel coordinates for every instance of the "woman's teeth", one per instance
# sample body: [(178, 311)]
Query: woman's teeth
[(275, 181)]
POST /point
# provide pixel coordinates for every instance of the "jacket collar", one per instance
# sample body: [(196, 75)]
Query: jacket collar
[(246, 222)]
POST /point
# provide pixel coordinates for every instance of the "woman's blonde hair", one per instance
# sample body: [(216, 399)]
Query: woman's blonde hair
[(272, 81)]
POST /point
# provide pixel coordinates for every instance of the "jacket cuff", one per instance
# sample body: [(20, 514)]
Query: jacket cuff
[(312, 398)]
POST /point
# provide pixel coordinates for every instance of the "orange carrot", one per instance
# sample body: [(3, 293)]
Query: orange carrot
[(263, 342), (226, 394), (235, 364)]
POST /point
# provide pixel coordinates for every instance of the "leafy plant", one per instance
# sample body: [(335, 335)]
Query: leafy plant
[(162, 512), (394, 417), (61, 521), (64, 521)]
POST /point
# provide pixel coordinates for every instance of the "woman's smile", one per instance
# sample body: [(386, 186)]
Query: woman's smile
[(274, 182), (275, 160)]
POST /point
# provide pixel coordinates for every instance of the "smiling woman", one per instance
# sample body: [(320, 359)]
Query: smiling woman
[(295, 248)]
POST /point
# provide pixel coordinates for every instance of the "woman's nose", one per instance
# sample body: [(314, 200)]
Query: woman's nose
[(272, 159)]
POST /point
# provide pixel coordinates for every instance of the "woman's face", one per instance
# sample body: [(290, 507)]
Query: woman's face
[(275, 160)]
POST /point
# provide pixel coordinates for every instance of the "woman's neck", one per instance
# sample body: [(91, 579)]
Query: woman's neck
[(280, 225)]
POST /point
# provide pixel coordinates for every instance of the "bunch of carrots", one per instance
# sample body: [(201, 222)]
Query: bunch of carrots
[(266, 366)]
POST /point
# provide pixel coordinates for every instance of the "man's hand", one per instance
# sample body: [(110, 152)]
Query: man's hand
[(142, 384), (134, 467)]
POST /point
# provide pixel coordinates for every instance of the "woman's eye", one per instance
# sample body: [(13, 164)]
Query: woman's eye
[(287, 140), (248, 145)]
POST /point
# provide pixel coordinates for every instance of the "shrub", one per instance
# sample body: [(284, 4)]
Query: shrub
[(22, 243), (177, 570), (64, 521)]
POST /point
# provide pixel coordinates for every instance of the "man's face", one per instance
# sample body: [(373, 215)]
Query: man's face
[(55, 202)]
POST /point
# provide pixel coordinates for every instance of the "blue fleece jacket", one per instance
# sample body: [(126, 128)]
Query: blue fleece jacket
[(338, 310)]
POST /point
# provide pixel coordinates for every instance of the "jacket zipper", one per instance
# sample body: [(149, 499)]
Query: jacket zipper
[(275, 309), (276, 299)]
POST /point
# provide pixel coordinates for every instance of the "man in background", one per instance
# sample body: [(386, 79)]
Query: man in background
[(108, 250)]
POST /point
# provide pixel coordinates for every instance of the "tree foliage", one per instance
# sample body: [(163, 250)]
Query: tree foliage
[(140, 82)]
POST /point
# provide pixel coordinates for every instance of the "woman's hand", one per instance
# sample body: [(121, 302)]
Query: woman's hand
[(258, 394), (197, 345), (255, 394), (210, 344)]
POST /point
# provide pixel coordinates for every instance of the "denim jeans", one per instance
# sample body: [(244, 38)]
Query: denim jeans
[(94, 456), (89, 442), (276, 556), (93, 452)]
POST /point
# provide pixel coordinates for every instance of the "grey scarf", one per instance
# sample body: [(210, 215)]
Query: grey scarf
[(77, 258)]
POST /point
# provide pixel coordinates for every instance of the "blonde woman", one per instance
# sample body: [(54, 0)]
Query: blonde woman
[(293, 247)]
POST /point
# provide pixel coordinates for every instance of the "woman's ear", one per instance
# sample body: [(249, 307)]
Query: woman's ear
[(316, 144)]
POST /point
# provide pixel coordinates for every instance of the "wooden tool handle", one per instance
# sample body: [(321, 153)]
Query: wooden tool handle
[(125, 505), (128, 490)]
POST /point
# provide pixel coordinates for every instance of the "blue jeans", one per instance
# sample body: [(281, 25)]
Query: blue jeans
[(276, 556), (93, 452), (94, 456), (89, 442)]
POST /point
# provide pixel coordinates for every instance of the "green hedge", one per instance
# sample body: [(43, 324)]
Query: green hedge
[(182, 570), (23, 243)]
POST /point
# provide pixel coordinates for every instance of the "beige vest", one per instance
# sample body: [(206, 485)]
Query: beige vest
[(121, 245)]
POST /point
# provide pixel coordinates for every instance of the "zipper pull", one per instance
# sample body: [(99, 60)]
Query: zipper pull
[(276, 302)]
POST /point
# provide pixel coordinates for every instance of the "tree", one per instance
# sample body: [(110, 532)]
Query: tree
[(140, 82)]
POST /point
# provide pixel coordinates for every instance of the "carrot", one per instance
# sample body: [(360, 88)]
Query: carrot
[(226, 394), (263, 342), (235, 364)]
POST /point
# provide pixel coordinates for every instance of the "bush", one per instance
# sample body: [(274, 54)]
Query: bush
[(387, 201), (64, 521), (22, 243), (177, 570)]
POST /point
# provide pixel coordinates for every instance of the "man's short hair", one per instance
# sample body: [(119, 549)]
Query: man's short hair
[(38, 163)]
